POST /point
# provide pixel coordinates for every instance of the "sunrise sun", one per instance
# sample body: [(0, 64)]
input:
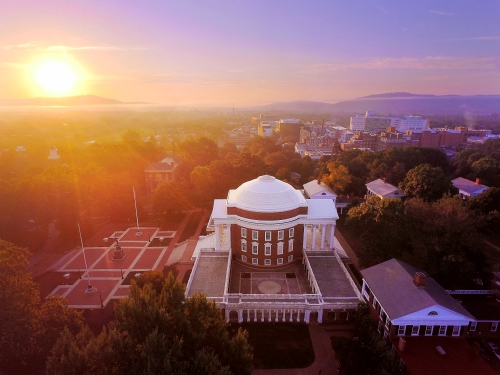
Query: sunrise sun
[(55, 78)]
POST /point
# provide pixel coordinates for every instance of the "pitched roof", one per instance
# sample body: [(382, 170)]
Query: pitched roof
[(381, 187), (392, 283), (314, 187), (467, 185)]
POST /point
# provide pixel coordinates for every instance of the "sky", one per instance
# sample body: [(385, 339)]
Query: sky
[(248, 52)]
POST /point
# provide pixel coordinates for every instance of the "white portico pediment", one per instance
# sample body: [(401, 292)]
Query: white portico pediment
[(433, 316)]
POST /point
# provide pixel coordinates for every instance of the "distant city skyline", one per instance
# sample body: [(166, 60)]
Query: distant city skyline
[(248, 53)]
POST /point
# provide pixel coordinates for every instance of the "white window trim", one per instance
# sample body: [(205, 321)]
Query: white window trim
[(281, 235), (267, 262), (244, 258), (290, 246), (255, 261), (255, 248), (456, 331), (267, 249), (244, 245), (403, 329), (494, 326), (440, 333), (413, 333), (290, 258), (427, 328), (244, 232), (255, 235), (291, 232), (473, 326), (267, 235), (279, 261), (280, 248)]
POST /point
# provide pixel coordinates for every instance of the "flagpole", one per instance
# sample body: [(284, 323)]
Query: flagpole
[(136, 214), (90, 289)]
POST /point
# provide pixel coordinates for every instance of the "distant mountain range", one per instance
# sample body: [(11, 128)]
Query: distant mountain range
[(396, 103), (65, 101)]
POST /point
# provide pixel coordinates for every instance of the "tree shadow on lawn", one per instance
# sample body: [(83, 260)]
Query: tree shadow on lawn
[(278, 345)]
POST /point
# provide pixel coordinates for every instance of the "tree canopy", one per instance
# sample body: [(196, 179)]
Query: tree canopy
[(427, 183), (156, 332)]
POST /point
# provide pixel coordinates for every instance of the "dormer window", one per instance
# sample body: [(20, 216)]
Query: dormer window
[(433, 313)]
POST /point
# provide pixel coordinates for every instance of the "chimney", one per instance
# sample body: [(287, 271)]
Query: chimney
[(402, 344), (419, 279), (383, 179), (478, 181)]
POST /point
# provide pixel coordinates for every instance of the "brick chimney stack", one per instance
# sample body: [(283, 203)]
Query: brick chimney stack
[(419, 279), (478, 181)]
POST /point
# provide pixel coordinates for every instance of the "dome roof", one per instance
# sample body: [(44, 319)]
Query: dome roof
[(266, 194)]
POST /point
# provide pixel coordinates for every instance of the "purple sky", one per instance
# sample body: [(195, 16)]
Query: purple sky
[(253, 52)]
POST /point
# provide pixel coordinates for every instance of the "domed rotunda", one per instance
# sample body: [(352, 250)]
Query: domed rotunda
[(270, 242)]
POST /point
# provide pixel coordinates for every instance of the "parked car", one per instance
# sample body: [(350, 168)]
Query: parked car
[(492, 347)]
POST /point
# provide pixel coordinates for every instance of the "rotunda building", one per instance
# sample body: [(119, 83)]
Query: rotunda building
[(271, 256)]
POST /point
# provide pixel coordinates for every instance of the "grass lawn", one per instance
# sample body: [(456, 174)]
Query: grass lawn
[(279, 345)]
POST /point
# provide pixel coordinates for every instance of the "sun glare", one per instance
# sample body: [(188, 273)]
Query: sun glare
[(55, 78)]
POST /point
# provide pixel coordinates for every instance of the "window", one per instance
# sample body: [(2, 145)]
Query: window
[(428, 330), (414, 330), (290, 258), (379, 327), (290, 246), (456, 331), (255, 235), (433, 313), (280, 261), (280, 248), (243, 245), (255, 261), (385, 334), (442, 331), (268, 235), (290, 232), (473, 326), (244, 232), (494, 326), (244, 258), (401, 330), (268, 249), (281, 235), (255, 248), (267, 262)]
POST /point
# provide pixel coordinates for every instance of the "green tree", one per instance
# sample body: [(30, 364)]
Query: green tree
[(338, 179), (367, 344), (156, 333), (27, 331), (382, 226), (427, 183), (488, 169), (170, 197)]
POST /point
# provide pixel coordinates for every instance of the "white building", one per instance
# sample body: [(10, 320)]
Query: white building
[(467, 188), (372, 122), (383, 190), (357, 123), (272, 257), (53, 155)]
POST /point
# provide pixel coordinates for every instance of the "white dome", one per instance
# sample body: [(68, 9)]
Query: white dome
[(266, 194)]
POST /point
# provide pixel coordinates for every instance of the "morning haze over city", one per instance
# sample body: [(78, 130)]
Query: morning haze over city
[(250, 187)]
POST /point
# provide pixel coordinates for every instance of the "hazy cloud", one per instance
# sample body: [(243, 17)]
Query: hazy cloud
[(15, 65), (21, 46), (490, 37), (440, 13), (383, 10), (83, 48), (425, 63)]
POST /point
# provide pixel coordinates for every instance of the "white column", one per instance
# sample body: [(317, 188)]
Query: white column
[(332, 236), (307, 316), (227, 316), (217, 236), (228, 237), (313, 245), (347, 317), (323, 233), (240, 316), (320, 316), (262, 315), (276, 317), (255, 315), (304, 243)]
